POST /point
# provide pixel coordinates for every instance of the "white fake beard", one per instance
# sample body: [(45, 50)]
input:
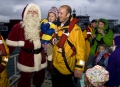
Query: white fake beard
[(31, 28)]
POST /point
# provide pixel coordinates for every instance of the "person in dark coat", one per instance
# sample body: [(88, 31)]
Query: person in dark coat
[(114, 64)]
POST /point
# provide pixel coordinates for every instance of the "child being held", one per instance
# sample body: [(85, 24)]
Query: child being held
[(49, 27), (98, 65)]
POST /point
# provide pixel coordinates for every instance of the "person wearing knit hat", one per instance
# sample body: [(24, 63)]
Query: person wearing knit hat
[(54, 11), (48, 27), (114, 64)]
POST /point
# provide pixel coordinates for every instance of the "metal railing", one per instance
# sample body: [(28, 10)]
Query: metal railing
[(15, 77)]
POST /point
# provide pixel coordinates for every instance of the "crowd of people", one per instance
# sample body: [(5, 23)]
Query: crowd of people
[(59, 45)]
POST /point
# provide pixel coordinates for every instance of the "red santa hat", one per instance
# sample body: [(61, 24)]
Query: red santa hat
[(54, 10), (28, 6)]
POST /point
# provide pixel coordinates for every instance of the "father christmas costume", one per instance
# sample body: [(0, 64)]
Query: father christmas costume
[(30, 60)]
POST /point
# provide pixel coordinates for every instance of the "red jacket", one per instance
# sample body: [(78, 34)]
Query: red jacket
[(27, 62)]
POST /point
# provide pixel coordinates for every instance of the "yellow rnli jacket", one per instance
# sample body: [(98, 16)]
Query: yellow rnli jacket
[(4, 81), (5, 58), (75, 62), (87, 43)]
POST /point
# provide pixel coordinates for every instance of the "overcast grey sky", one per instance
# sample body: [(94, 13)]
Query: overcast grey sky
[(109, 9)]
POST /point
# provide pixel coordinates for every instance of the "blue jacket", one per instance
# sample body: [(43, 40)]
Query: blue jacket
[(102, 61), (45, 28)]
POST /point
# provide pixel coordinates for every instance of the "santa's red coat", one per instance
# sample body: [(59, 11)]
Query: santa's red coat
[(27, 62)]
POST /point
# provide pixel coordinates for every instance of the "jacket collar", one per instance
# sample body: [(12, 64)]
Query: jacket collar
[(66, 24)]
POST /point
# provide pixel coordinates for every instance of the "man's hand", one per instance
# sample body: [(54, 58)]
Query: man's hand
[(78, 74), (2, 67)]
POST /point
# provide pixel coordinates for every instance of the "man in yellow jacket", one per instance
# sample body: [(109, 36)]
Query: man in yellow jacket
[(4, 56), (87, 33), (66, 65)]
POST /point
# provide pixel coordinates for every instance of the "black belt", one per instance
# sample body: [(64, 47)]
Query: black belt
[(37, 51)]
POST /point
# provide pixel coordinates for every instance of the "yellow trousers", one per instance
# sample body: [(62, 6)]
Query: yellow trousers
[(4, 80)]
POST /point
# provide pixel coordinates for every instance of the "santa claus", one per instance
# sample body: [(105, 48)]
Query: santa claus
[(26, 34)]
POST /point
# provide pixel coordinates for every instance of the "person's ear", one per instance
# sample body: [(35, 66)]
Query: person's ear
[(68, 14)]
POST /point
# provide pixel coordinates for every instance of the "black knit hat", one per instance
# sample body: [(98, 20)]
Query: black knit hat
[(94, 20)]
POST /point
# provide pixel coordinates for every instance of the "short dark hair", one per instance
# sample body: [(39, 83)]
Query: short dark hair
[(68, 8), (103, 45), (94, 20)]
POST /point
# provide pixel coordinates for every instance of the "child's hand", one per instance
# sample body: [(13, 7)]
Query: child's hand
[(93, 36), (56, 30), (45, 22), (45, 25), (101, 31)]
